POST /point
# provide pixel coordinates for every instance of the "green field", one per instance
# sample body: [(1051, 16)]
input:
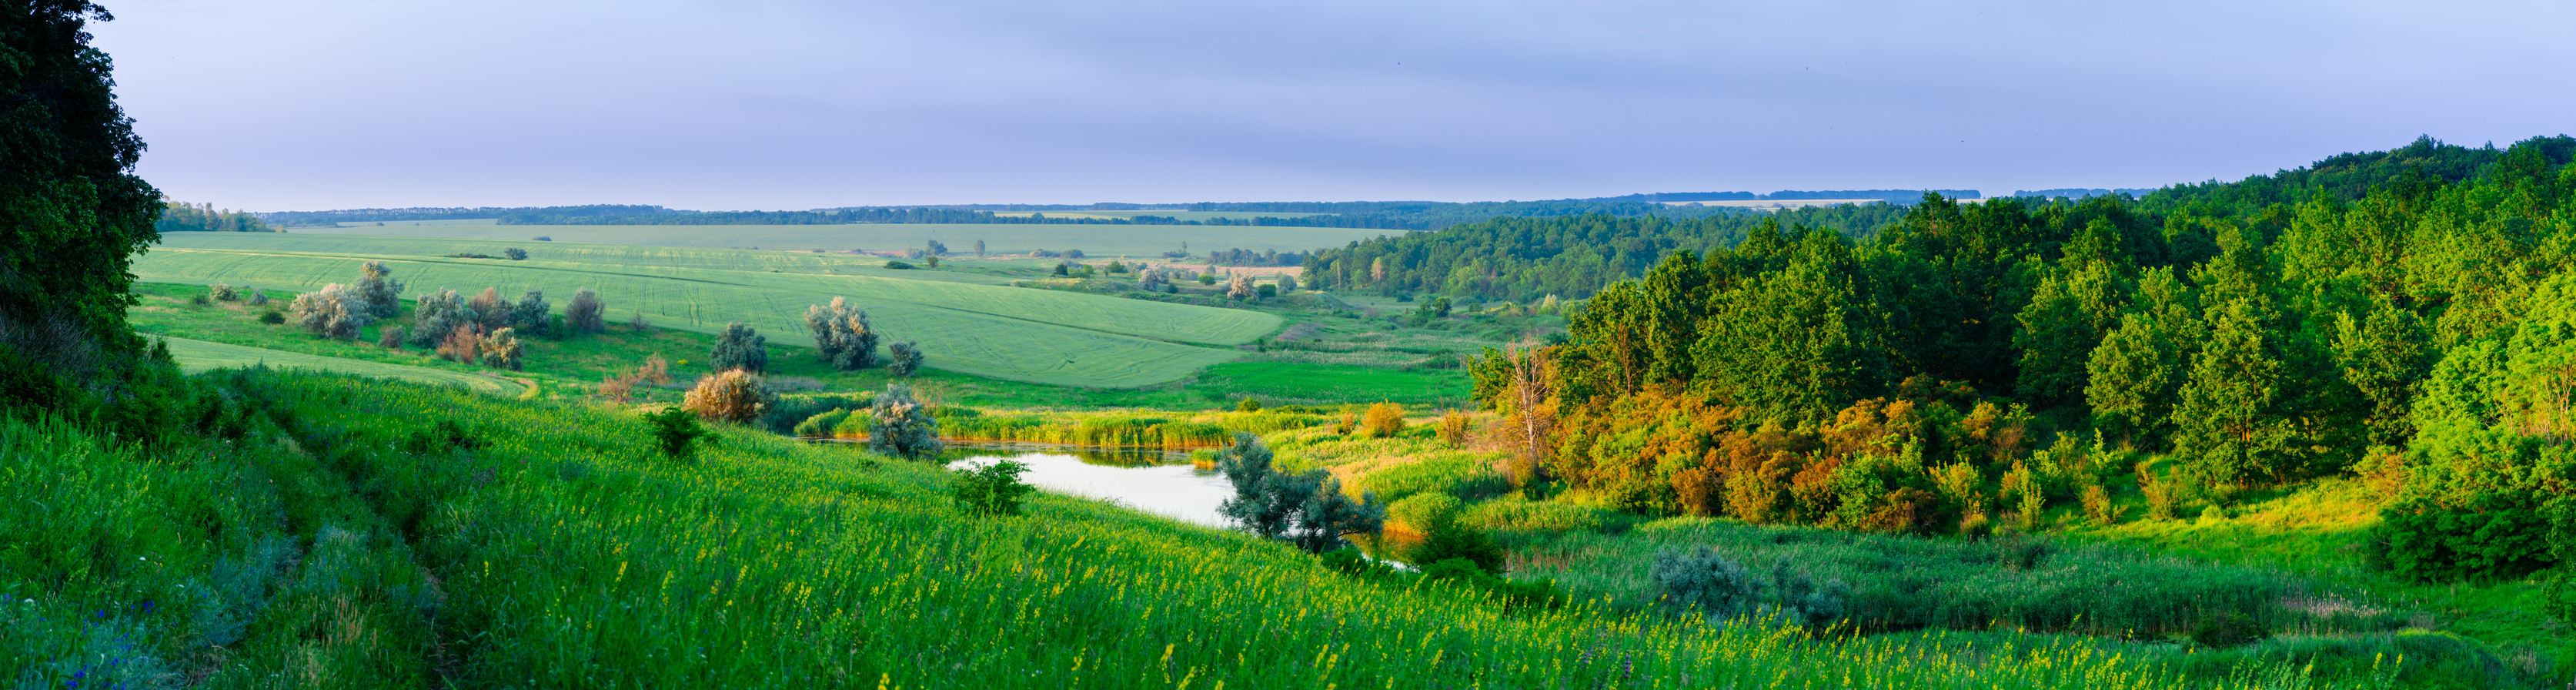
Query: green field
[(198, 355), (1105, 241), (1042, 336), (322, 531)]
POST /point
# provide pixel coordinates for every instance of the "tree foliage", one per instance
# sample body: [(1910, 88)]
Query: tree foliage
[(900, 426), (1307, 508), (740, 347), (842, 335)]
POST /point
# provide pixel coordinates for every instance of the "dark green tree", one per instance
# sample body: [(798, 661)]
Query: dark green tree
[(72, 213)]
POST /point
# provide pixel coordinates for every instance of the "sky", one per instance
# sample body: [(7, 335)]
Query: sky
[(726, 105)]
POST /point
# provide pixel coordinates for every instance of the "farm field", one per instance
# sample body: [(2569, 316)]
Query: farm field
[(1176, 215), (198, 355), (1042, 336), (1101, 241)]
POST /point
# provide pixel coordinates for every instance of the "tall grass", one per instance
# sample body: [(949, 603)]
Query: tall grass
[(441, 537)]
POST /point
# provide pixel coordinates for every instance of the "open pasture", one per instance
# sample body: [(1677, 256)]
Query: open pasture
[(1001, 332), (1106, 241), (198, 355)]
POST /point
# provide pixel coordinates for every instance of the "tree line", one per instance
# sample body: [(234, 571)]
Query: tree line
[(2407, 317), (186, 217), (1526, 258)]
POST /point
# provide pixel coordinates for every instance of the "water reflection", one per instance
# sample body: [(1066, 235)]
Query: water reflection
[(1151, 480)]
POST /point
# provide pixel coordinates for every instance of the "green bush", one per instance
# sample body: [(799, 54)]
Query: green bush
[(2228, 629), (899, 265), (821, 425), (2434, 545), (1447, 540), (992, 488), (676, 432)]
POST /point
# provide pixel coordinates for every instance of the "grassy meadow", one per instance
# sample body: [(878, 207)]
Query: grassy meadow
[(1103, 241), (1042, 336), (198, 355), (317, 530)]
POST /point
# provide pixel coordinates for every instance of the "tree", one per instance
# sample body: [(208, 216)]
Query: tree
[(1267, 291), (1239, 288), (842, 335), (587, 314), (731, 395), (435, 315), (1307, 509), (72, 213), (1287, 283), (532, 314), (902, 427), (376, 288), (334, 312), (514, 253), (492, 309), (992, 488), (501, 349), (903, 358), (979, 247), (676, 432), (740, 347)]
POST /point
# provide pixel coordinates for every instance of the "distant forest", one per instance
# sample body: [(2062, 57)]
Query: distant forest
[(2405, 317), (1382, 215)]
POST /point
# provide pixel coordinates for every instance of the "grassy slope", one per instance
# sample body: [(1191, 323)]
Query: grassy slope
[(389, 535), (1032, 335), (198, 355), (1094, 240)]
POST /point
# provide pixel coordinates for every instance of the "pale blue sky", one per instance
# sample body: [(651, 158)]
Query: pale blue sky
[(311, 104)]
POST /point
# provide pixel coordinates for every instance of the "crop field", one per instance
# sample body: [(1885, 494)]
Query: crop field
[(1103, 241), (1041, 336), (396, 536), (198, 355), (762, 261)]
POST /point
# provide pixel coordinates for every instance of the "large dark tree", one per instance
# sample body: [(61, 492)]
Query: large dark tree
[(72, 213)]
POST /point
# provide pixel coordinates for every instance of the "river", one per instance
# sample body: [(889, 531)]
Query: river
[(1153, 481)]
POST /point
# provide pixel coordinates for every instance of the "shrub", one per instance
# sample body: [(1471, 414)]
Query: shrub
[(501, 349), (377, 288), (1287, 283), (842, 335), (390, 337), (901, 265), (1239, 288), (740, 347), (932, 261), (332, 312), (545, 238), (1307, 509), (222, 292), (434, 315), (676, 432), (1448, 539), (2097, 505), (199, 301), (902, 427), (463, 344), (1207, 279), (1453, 428), (258, 297), (903, 358), (514, 253), (1248, 405), (272, 317), (587, 314), (1704, 582), (992, 488), (531, 314), (2163, 495), (732, 395), (640, 324), (1384, 420), (2228, 629), (491, 308)]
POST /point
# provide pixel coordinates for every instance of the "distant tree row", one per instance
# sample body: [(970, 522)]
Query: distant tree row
[(1523, 259), (184, 217)]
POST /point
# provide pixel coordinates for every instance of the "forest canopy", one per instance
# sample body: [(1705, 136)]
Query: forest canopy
[(2408, 316)]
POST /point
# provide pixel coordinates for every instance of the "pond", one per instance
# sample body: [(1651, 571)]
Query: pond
[(1153, 481)]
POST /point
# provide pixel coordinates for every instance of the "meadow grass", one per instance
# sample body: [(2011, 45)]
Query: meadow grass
[(334, 531), (198, 355), (1042, 336), (1101, 241)]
